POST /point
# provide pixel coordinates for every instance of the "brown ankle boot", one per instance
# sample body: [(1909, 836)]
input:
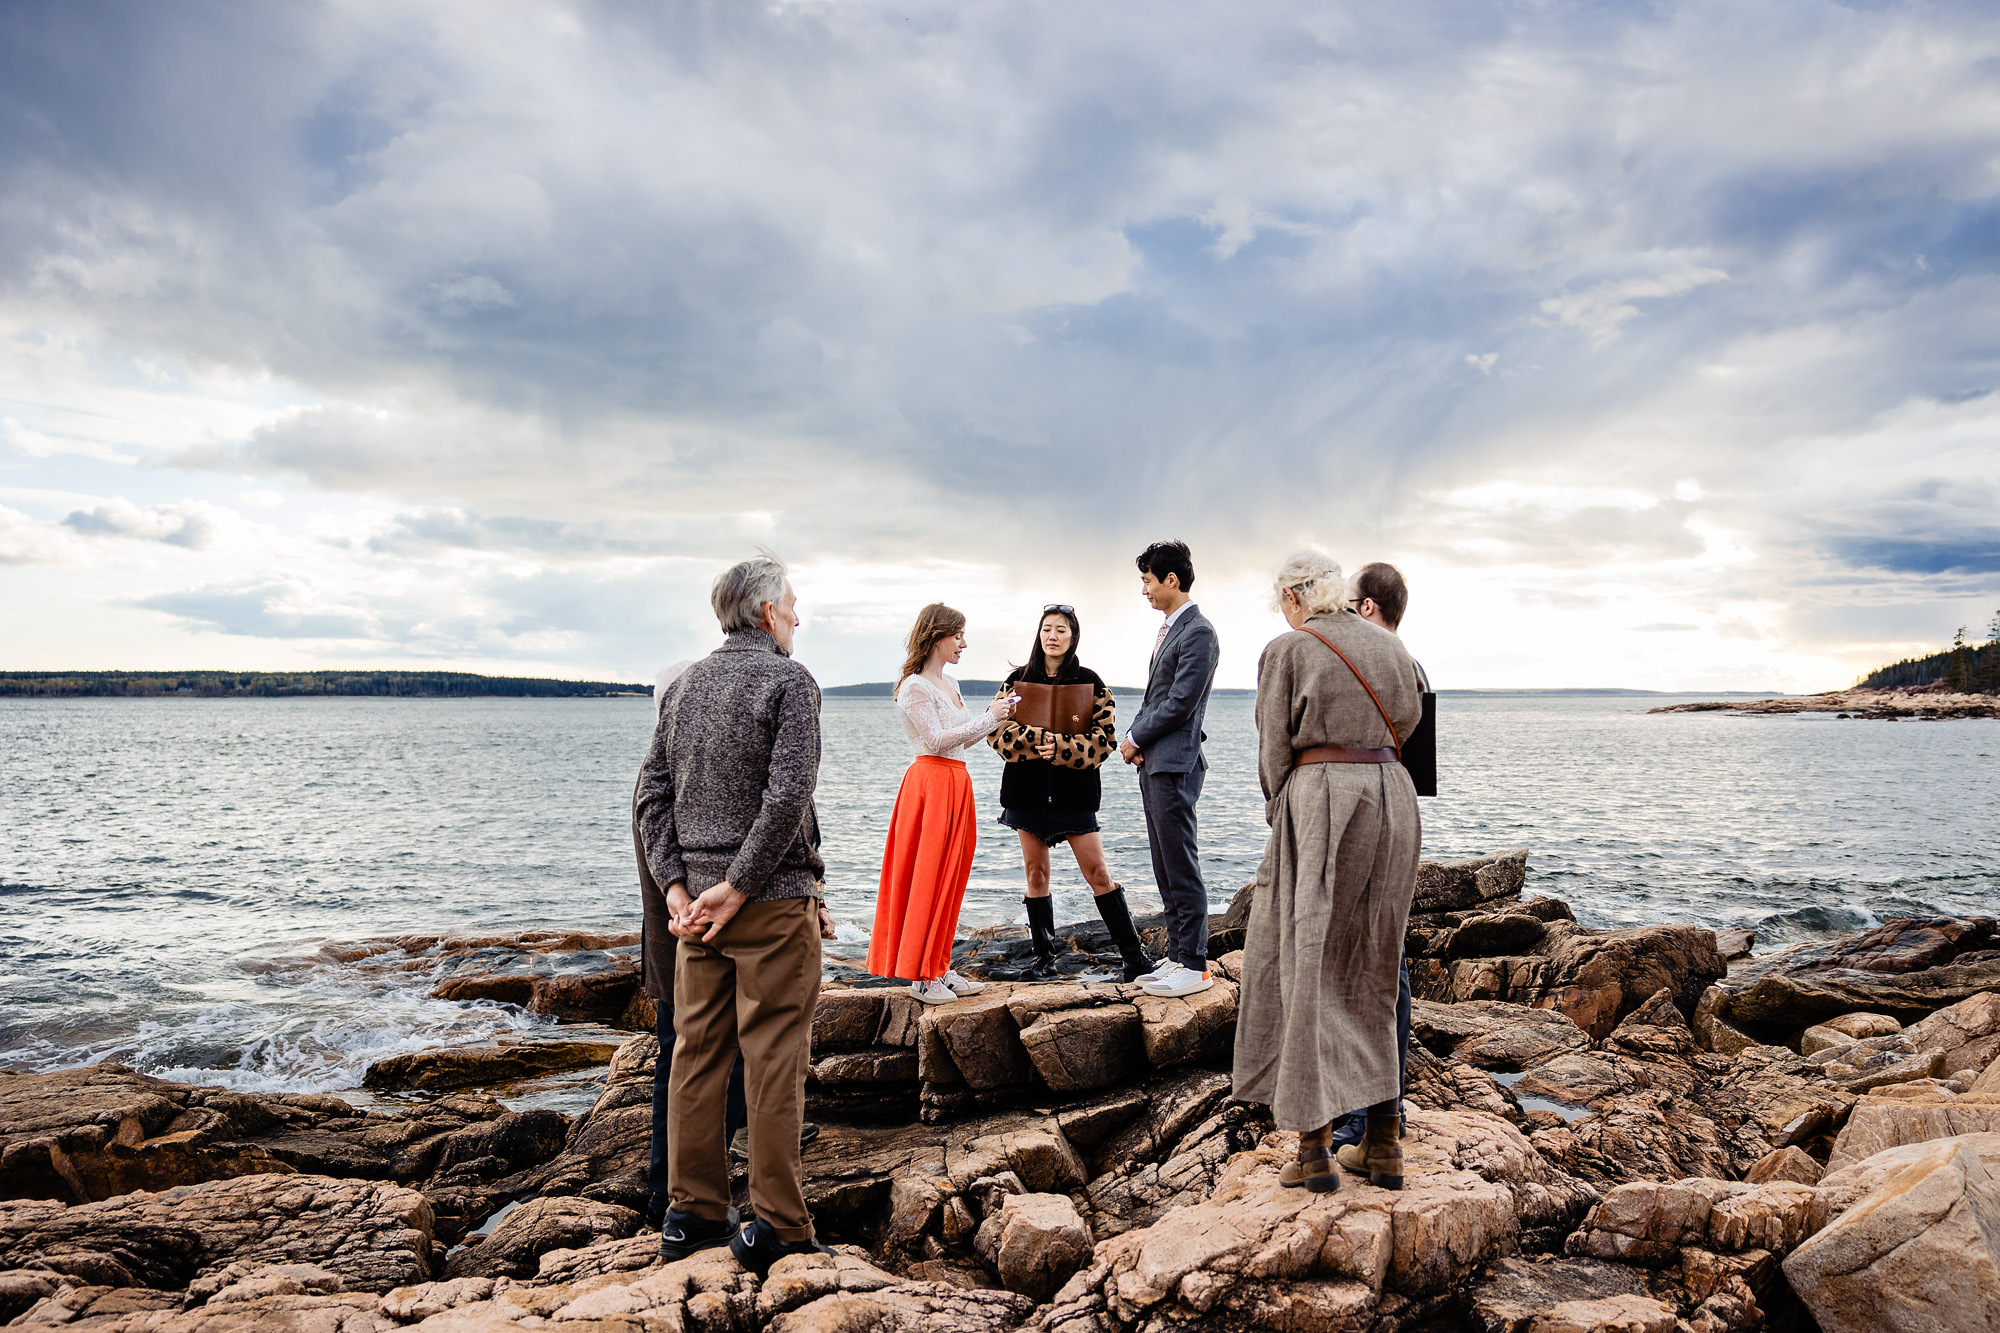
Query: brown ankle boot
[(1379, 1155), (1314, 1169)]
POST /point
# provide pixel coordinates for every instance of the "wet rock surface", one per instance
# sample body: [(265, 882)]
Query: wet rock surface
[(1903, 969), (373, 1235), (1595, 978), (1600, 1137), (486, 1066), (553, 1222), (104, 1130)]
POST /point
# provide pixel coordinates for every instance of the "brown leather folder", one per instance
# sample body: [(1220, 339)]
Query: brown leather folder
[(1063, 709)]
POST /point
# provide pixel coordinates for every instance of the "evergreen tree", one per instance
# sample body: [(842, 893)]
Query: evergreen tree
[(1958, 670), (1989, 672)]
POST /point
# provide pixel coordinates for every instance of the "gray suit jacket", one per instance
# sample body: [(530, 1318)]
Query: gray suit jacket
[(1167, 727)]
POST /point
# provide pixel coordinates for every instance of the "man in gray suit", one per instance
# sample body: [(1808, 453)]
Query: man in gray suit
[(1164, 740)]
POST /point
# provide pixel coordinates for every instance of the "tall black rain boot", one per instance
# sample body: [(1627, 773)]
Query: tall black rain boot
[(1042, 934), (1118, 920)]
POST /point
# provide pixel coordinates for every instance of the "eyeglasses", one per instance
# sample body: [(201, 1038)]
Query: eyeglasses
[(1356, 602), (1059, 606)]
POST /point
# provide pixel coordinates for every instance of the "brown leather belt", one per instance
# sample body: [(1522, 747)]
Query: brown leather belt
[(1342, 754)]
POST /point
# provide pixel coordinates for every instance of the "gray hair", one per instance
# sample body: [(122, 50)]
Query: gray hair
[(740, 591), (1315, 578)]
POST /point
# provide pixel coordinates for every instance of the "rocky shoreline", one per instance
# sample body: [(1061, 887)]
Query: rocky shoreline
[(1928, 703), (1647, 1129)]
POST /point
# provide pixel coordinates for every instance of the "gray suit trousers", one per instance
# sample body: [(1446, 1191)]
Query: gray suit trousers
[(1169, 800)]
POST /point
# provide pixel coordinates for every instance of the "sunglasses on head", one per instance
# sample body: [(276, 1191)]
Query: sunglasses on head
[(1059, 606)]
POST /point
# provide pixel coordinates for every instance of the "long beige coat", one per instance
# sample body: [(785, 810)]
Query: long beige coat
[(1316, 1034)]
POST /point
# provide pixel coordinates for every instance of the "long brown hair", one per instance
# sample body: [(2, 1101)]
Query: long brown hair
[(935, 623)]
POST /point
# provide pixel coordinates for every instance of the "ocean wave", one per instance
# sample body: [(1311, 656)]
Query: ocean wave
[(326, 1023)]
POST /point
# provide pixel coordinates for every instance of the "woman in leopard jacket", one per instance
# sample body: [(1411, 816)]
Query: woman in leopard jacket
[(1049, 794)]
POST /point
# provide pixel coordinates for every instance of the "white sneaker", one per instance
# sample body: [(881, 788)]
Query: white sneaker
[(1161, 967), (932, 992), (1177, 980), (961, 985)]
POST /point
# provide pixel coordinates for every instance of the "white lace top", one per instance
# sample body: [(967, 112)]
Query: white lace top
[(937, 723)]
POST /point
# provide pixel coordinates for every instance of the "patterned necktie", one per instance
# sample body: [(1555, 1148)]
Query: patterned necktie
[(1158, 639)]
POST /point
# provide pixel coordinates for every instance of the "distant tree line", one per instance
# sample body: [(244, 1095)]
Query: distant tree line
[(287, 684), (1965, 667)]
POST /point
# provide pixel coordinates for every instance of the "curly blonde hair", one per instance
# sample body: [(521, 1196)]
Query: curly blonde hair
[(1315, 579)]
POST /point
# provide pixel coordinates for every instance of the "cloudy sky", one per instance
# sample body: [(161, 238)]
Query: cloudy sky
[(1658, 343)]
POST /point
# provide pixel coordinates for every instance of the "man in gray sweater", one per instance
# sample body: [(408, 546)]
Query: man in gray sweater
[(725, 812)]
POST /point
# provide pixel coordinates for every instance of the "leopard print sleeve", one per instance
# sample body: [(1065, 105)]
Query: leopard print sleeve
[(1014, 741), (1090, 749)]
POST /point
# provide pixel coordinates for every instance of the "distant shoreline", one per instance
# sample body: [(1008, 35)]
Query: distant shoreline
[(1926, 704), (303, 684), (202, 684)]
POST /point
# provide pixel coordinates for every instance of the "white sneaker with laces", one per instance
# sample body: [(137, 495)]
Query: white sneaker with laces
[(1175, 981), (961, 985), (932, 992), (1161, 967)]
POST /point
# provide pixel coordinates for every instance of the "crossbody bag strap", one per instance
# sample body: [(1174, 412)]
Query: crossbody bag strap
[(1364, 685)]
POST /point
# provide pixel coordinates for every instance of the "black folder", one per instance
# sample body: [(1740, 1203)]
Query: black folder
[(1420, 753)]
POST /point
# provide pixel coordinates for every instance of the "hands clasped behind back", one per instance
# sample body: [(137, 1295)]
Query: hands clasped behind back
[(704, 917)]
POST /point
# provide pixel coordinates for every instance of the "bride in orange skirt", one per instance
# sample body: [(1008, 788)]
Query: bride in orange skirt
[(933, 831)]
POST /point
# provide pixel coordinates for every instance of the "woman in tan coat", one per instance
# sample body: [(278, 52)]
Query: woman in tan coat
[(1316, 1036)]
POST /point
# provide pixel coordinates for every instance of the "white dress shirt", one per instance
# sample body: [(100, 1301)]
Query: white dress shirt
[(1172, 616)]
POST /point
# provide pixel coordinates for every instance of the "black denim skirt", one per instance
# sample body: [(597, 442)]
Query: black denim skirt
[(1052, 824)]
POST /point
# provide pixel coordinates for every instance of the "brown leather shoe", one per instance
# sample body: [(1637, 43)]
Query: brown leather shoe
[(1314, 1169), (1379, 1155)]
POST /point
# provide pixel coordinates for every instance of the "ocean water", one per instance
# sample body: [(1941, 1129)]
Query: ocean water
[(171, 870)]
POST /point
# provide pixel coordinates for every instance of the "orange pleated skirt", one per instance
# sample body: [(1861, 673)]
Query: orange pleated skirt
[(932, 835)]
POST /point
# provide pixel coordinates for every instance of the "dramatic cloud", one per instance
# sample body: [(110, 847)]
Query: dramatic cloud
[(189, 525), (1665, 334)]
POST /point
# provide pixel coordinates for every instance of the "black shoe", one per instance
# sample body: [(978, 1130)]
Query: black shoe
[(1118, 920), (739, 1147), (757, 1247), (682, 1234), (1347, 1129), (1042, 934), (654, 1215)]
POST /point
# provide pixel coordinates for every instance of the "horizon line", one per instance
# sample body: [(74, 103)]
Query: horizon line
[(875, 688)]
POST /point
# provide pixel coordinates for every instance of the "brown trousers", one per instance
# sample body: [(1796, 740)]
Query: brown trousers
[(754, 986)]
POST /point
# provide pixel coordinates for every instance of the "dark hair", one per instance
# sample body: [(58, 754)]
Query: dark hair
[(1383, 585), (1037, 668), (1164, 558)]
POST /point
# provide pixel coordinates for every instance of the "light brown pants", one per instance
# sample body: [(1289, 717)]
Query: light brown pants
[(753, 985)]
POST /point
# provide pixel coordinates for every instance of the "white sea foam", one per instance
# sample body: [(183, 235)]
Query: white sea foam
[(319, 1034)]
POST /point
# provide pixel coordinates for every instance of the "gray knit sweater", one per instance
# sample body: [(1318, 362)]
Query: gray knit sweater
[(727, 790)]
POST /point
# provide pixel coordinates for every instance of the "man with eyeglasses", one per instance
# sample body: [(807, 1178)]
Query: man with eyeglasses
[(1379, 596)]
